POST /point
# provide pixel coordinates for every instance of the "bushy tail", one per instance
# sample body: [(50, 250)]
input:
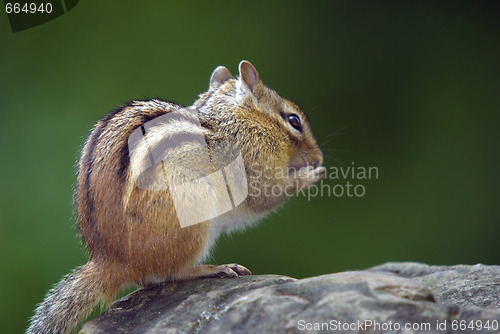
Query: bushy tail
[(73, 299)]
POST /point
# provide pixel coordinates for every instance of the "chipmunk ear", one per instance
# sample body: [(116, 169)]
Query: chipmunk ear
[(219, 76), (249, 75)]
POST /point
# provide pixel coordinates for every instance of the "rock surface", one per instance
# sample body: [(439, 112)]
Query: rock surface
[(391, 298)]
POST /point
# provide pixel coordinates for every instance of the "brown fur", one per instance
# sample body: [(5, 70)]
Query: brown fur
[(132, 234)]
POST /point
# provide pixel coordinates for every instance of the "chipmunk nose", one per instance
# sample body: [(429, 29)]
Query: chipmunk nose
[(306, 158), (315, 160), (319, 159)]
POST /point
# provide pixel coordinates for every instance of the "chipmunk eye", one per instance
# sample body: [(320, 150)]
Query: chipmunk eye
[(295, 121)]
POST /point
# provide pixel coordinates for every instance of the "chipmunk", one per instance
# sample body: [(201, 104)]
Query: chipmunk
[(142, 175)]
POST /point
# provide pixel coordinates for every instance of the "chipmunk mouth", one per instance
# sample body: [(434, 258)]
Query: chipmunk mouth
[(305, 176), (304, 171), (304, 160), (305, 164)]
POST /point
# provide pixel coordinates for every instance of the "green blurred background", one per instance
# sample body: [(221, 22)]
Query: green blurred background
[(411, 88)]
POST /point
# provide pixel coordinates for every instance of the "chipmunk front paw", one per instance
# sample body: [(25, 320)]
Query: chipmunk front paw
[(306, 176)]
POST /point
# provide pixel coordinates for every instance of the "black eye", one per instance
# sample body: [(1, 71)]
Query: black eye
[(295, 121)]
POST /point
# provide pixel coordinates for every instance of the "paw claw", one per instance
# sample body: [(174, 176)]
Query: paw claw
[(232, 270), (239, 269)]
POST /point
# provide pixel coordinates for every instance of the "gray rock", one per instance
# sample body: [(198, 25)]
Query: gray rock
[(461, 285), (383, 299)]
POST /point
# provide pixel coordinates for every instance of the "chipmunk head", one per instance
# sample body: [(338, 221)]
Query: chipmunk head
[(272, 133)]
